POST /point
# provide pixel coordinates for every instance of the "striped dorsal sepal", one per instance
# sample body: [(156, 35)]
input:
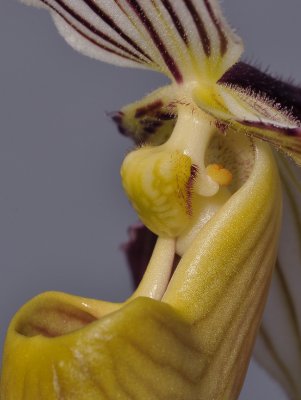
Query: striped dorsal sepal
[(185, 40)]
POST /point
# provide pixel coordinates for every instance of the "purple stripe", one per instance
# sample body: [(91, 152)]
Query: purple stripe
[(221, 34), (149, 108), (200, 27), (169, 60), (84, 35), (286, 131), (175, 20), (93, 29), (194, 170), (109, 21), (294, 133)]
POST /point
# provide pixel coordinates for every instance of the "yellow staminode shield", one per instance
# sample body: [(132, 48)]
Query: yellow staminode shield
[(159, 184)]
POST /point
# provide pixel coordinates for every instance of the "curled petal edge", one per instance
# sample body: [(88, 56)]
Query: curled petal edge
[(181, 39)]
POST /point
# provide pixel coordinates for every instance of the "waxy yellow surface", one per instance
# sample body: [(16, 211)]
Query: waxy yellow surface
[(194, 344)]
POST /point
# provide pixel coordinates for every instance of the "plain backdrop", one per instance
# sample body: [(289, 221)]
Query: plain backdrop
[(63, 213)]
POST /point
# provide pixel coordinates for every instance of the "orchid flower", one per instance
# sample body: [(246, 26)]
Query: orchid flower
[(204, 180)]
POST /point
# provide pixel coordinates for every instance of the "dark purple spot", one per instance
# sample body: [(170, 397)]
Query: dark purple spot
[(138, 250), (117, 117), (165, 116), (251, 79), (149, 108)]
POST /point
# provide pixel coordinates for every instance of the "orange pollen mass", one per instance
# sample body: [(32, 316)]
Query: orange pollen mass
[(219, 174)]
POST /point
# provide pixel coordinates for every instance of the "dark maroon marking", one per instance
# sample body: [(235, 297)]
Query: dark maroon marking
[(277, 143), (221, 34), (92, 28), (142, 111), (175, 20), (117, 117), (109, 21), (150, 130), (251, 79), (165, 116), (294, 147), (222, 126), (189, 187), (148, 124), (138, 250), (151, 122), (169, 60), (293, 132), (151, 126), (123, 131), (91, 40), (200, 27)]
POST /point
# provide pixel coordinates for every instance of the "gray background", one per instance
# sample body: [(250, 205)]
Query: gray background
[(62, 211)]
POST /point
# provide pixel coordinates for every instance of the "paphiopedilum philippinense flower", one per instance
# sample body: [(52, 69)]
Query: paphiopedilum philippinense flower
[(204, 180)]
